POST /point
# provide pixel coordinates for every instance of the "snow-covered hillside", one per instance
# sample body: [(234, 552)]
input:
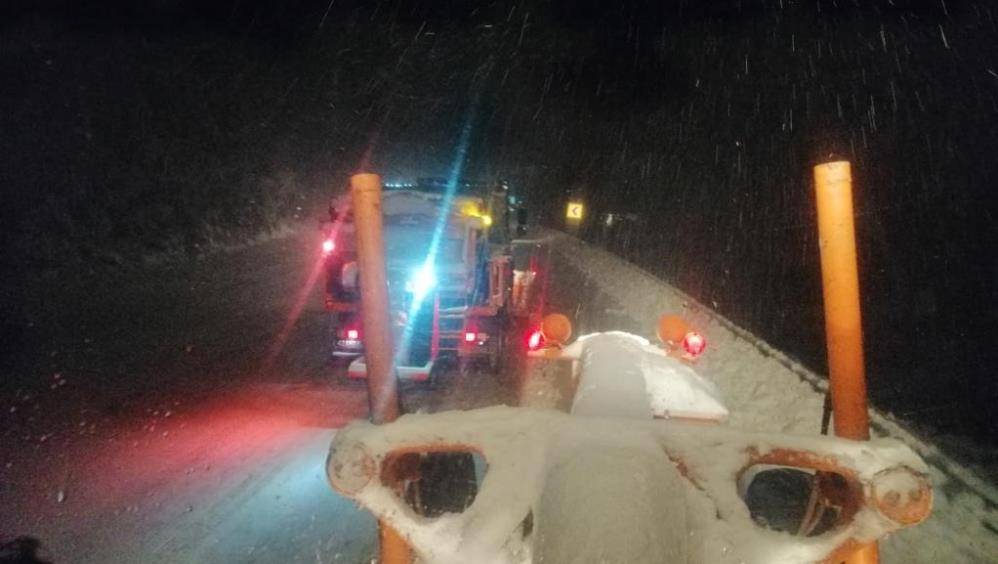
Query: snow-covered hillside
[(767, 391)]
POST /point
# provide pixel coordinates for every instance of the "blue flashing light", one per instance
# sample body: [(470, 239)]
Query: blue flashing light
[(421, 282)]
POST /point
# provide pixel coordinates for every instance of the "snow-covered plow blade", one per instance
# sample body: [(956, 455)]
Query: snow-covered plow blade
[(562, 488)]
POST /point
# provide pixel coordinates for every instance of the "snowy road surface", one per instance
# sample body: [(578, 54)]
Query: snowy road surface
[(178, 414)]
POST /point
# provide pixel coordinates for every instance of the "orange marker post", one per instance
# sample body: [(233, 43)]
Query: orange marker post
[(843, 322), (382, 389), (365, 191)]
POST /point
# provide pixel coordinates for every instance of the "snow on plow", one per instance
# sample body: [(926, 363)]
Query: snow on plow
[(637, 470), (644, 490)]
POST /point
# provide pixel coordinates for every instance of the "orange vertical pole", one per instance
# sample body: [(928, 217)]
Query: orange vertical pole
[(382, 389), (843, 322), (394, 549), (365, 190)]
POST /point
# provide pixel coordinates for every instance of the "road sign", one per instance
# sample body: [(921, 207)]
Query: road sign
[(575, 210)]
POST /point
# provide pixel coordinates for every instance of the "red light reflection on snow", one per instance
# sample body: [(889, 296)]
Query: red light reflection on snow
[(156, 465), (301, 299), (299, 305)]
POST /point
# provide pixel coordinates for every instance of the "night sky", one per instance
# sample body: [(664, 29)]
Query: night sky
[(136, 127)]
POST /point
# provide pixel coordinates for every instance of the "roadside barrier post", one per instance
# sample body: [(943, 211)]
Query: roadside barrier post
[(843, 322)]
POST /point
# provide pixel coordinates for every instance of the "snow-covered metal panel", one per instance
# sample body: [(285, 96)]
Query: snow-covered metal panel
[(623, 375), (528, 450)]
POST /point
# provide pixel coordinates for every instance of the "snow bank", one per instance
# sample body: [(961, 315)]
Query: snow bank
[(767, 391)]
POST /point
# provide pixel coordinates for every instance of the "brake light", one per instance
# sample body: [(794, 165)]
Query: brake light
[(694, 343), (328, 246), (469, 337), (535, 340), (353, 334)]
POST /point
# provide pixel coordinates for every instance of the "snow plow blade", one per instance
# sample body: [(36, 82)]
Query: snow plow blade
[(884, 484)]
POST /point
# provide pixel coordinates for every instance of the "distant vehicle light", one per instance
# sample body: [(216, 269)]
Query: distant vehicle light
[(353, 334), (536, 340), (694, 344), (328, 246), (469, 337)]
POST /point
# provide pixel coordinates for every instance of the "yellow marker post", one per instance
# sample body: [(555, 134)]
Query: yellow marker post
[(843, 322)]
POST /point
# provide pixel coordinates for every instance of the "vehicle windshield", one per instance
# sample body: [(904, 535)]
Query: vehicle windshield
[(414, 246), (781, 203)]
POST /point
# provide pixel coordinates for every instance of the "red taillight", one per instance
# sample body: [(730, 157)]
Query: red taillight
[(328, 246), (469, 336), (535, 340), (694, 343), (353, 334)]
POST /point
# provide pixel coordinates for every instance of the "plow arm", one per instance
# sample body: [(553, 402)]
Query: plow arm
[(881, 485)]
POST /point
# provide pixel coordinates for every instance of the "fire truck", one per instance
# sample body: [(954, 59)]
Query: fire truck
[(449, 269)]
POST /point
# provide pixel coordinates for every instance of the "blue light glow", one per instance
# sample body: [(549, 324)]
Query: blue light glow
[(423, 280), (457, 166)]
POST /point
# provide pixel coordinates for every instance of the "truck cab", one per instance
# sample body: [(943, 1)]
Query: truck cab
[(440, 284)]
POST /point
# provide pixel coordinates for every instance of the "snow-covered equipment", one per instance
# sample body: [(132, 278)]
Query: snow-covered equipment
[(636, 470), (841, 298), (562, 488)]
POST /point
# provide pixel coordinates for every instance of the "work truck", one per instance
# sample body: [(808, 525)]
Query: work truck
[(450, 278)]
